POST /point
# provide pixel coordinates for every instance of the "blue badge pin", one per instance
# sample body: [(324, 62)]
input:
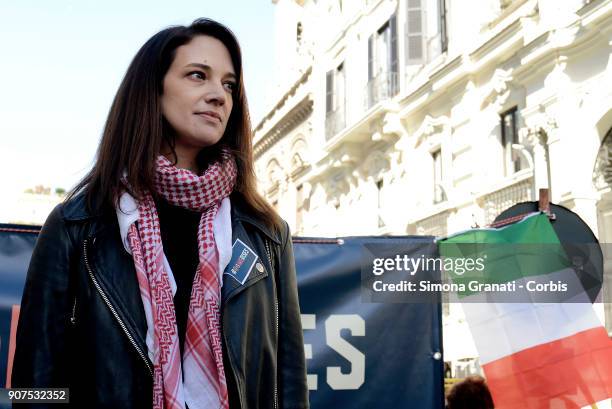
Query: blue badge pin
[(242, 261)]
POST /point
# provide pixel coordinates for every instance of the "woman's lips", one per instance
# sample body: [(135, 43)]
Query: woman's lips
[(209, 116)]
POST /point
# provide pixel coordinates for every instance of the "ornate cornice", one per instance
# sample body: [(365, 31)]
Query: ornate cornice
[(283, 100), (283, 126)]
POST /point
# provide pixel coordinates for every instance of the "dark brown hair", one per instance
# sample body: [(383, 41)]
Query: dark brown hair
[(135, 128), (471, 393)]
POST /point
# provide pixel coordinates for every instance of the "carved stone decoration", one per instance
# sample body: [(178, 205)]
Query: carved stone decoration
[(298, 157), (540, 128), (275, 175), (602, 174), (306, 196), (536, 136), (430, 127), (376, 165), (558, 79), (347, 156), (317, 196), (533, 137), (297, 163), (498, 90), (337, 186), (392, 126), (396, 168)]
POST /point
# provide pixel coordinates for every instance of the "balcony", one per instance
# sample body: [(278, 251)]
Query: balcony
[(335, 121), (433, 225), (384, 86), (496, 202)]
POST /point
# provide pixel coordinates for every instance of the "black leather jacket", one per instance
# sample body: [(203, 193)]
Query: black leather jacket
[(82, 323)]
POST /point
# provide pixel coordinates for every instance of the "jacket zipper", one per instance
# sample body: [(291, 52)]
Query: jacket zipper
[(112, 309), (275, 322), (73, 316), (232, 365)]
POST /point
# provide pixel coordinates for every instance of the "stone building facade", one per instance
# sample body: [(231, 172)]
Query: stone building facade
[(433, 116)]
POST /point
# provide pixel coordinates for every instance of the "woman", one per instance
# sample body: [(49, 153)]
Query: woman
[(165, 280)]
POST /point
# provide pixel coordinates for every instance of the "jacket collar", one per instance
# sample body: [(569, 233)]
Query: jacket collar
[(240, 214), (76, 210)]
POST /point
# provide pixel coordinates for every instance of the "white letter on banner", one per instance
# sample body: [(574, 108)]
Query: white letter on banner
[(309, 321), (333, 325)]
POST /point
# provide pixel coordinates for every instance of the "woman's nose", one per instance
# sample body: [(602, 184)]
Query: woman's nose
[(215, 94)]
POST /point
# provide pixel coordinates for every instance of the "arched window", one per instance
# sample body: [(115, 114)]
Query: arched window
[(298, 33)]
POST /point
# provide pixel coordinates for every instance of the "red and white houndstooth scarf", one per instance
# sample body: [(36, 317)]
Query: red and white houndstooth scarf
[(202, 365)]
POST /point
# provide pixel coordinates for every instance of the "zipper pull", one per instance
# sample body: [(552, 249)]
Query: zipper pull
[(73, 316)]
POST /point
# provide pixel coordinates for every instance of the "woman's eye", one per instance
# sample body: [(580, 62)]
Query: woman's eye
[(196, 75), (231, 86)]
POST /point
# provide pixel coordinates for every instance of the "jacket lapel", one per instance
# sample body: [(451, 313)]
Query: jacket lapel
[(256, 271), (114, 269)]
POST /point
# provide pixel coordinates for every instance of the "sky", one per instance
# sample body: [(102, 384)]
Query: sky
[(61, 63)]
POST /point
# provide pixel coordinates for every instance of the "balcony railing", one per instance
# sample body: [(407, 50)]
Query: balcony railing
[(496, 202), (384, 86), (434, 225), (335, 121)]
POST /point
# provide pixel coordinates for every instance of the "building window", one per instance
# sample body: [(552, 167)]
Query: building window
[(299, 211), (425, 30), (439, 195), (414, 32), (382, 64), (442, 24), (379, 201), (335, 91), (298, 33), (509, 136)]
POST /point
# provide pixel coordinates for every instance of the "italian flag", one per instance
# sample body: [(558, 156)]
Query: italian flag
[(535, 355)]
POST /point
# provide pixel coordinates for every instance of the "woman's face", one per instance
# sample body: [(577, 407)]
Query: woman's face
[(197, 95)]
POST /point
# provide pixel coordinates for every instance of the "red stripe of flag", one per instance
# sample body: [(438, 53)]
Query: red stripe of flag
[(568, 373)]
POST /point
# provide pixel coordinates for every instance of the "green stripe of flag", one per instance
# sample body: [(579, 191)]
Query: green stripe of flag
[(525, 249)]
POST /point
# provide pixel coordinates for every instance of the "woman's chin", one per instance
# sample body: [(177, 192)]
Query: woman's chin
[(200, 141)]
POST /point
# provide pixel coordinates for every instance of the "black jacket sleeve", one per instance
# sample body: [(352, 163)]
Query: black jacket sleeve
[(40, 350), (293, 387)]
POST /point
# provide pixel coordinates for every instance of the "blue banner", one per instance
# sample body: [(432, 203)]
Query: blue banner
[(359, 354), (16, 245)]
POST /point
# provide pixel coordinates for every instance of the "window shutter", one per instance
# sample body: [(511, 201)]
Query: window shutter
[(329, 92), (371, 57), (508, 137), (443, 28), (414, 32), (394, 74), (340, 87)]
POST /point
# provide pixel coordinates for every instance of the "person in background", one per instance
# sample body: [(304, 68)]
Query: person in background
[(165, 280), (471, 393)]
